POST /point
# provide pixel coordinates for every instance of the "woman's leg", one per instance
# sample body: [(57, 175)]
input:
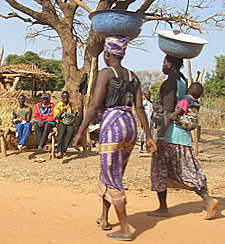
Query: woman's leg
[(103, 220), (159, 175), (122, 216), (162, 211)]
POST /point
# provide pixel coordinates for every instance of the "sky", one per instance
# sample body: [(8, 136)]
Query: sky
[(13, 32)]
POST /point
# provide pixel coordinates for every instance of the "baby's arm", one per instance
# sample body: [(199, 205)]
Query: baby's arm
[(178, 112)]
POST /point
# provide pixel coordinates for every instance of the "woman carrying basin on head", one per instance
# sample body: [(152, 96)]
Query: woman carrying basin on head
[(117, 89), (174, 160)]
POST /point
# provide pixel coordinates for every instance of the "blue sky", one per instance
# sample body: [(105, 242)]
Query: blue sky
[(13, 32)]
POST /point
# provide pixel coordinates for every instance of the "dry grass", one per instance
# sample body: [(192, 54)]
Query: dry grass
[(212, 113)]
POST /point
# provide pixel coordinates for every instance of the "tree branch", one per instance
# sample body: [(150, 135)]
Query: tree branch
[(184, 19), (123, 4), (23, 9), (15, 15), (145, 6)]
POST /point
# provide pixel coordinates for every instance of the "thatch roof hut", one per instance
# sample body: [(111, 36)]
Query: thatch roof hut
[(10, 75)]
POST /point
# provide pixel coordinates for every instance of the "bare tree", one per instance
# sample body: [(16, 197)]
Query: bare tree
[(66, 19), (148, 78)]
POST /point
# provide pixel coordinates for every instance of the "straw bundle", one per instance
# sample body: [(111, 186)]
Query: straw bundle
[(8, 100)]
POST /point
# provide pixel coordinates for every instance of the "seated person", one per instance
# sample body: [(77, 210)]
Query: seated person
[(21, 120), (186, 113), (43, 117), (65, 114)]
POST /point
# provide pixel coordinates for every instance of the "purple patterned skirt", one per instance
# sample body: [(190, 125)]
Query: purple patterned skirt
[(177, 167), (117, 138)]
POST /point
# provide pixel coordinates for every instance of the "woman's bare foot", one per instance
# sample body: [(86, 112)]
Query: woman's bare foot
[(158, 213), (211, 207)]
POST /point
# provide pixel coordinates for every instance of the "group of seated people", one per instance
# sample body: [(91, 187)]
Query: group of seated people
[(46, 115)]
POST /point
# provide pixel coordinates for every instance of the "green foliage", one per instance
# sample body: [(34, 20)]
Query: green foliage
[(155, 89), (214, 85), (48, 65), (150, 80)]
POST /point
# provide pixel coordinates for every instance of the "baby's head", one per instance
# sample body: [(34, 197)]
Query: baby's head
[(195, 90)]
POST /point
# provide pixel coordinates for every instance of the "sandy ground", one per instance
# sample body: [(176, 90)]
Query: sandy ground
[(56, 201)]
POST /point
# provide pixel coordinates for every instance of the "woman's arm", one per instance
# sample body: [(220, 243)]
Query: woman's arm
[(168, 92), (151, 147)]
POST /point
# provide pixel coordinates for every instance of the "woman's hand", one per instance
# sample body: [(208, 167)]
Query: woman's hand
[(76, 139), (150, 146)]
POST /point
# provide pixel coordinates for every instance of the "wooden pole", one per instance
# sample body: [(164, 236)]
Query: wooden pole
[(1, 55), (87, 137), (32, 94), (200, 81), (201, 76), (197, 77), (194, 132), (15, 82), (3, 147), (44, 87), (35, 88), (190, 80), (53, 146), (82, 5)]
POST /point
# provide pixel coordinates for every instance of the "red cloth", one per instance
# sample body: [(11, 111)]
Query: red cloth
[(183, 104), (44, 115)]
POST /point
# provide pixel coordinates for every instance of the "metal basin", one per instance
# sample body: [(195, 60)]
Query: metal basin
[(180, 45), (117, 23)]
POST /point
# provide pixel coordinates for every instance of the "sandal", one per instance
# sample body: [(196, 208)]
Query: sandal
[(114, 236), (108, 227)]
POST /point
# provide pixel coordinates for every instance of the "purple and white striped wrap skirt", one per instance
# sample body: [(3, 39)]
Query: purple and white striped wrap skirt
[(117, 138)]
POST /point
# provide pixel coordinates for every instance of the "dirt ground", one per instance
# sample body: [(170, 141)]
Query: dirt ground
[(56, 201)]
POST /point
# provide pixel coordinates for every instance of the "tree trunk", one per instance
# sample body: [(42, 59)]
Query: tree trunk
[(69, 69)]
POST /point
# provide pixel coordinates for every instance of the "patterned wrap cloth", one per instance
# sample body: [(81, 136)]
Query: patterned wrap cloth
[(178, 168), (117, 138), (115, 46)]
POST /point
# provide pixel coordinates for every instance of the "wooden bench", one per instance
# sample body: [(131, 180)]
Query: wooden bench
[(4, 132)]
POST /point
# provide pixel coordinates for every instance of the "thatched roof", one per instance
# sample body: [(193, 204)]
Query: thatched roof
[(26, 73)]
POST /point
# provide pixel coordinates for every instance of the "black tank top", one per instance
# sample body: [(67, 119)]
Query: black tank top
[(120, 92)]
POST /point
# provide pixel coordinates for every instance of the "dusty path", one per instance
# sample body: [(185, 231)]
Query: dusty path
[(56, 201), (33, 213)]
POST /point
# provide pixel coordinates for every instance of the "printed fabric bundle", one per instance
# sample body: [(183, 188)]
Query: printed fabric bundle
[(188, 121), (68, 118)]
